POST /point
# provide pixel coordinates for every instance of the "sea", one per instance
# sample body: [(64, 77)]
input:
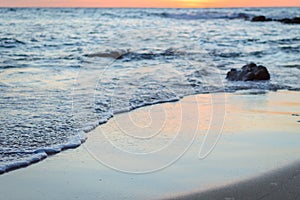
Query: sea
[(65, 71)]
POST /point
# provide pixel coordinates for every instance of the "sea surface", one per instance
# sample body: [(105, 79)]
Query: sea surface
[(65, 71)]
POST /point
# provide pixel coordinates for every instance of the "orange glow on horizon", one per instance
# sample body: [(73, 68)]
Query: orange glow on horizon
[(152, 3)]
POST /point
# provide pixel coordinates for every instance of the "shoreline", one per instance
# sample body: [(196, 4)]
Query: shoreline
[(47, 152), (76, 172)]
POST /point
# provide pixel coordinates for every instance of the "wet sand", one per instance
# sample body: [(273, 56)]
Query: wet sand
[(282, 183)]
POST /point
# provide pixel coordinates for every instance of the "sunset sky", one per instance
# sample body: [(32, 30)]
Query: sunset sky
[(147, 3)]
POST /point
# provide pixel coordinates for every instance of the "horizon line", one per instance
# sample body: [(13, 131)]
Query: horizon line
[(129, 7)]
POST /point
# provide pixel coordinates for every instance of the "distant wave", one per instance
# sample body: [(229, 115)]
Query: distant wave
[(296, 66), (206, 15), (10, 42), (290, 49), (129, 55)]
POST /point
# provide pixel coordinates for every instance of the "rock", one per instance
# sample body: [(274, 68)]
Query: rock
[(260, 18), (249, 72), (295, 20)]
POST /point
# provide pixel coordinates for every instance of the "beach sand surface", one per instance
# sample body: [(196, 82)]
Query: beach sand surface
[(244, 145)]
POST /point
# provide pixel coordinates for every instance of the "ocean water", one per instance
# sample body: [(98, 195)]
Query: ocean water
[(65, 71)]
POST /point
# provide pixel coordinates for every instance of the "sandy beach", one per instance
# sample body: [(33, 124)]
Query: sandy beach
[(209, 146)]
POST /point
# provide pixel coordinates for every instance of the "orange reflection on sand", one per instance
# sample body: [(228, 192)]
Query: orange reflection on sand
[(153, 127), (252, 112)]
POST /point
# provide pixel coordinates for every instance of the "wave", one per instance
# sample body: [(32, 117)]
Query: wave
[(41, 153), (20, 66), (129, 55), (295, 66), (206, 15), (109, 54), (290, 49), (230, 14), (10, 42)]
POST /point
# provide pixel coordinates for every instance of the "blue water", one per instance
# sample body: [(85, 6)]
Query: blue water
[(58, 77)]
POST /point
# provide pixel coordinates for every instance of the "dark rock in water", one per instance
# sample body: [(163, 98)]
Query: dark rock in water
[(295, 20), (261, 18), (12, 9), (249, 72)]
